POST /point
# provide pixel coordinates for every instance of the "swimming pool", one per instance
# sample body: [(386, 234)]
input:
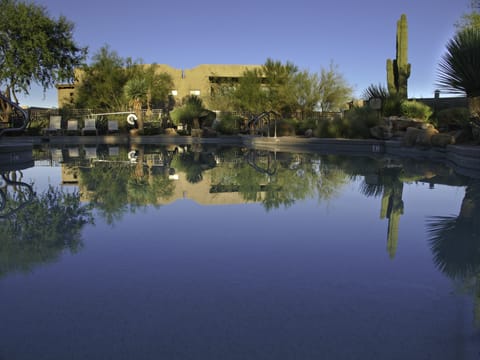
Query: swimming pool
[(211, 252)]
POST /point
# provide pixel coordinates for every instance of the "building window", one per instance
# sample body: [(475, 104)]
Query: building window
[(195, 92)]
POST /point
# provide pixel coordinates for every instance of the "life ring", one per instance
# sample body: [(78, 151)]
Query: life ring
[(132, 156), (131, 119)]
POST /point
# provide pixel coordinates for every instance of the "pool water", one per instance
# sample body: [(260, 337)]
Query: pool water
[(210, 252)]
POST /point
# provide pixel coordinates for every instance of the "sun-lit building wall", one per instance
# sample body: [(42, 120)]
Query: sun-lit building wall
[(196, 81)]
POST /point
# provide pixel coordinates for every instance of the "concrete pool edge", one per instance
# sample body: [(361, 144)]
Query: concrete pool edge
[(465, 159)]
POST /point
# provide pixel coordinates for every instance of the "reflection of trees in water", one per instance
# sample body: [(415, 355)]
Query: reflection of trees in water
[(115, 187), (193, 162), (276, 179), (455, 243), (42, 230), (14, 194)]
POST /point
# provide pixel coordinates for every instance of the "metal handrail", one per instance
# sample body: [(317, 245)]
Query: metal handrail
[(26, 118)]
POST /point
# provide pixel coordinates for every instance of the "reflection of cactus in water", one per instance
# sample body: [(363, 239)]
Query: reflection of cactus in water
[(398, 70), (392, 209)]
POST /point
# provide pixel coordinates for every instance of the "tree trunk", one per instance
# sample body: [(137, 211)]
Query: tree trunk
[(138, 111), (6, 108)]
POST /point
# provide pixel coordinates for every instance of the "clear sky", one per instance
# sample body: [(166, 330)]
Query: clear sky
[(357, 36)]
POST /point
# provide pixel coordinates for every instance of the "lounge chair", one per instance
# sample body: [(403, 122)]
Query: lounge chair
[(112, 126), (56, 156), (72, 127), (90, 152), (54, 126), (73, 152), (90, 126)]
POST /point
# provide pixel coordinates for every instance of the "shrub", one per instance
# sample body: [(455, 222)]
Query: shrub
[(392, 106), (229, 124), (285, 127), (453, 118), (331, 128), (359, 120), (303, 125), (415, 110)]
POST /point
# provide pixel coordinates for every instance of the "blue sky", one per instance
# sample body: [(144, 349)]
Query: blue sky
[(357, 36)]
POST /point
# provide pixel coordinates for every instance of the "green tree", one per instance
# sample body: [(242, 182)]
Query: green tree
[(471, 19), (34, 48), (158, 85), (334, 89), (279, 81), (306, 89), (101, 83), (459, 68), (249, 95)]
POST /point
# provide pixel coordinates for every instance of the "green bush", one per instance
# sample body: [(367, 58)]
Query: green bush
[(358, 122), (415, 110), (229, 124), (285, 127), (303, 125), (331, 128), (453, 118), (392, 106)]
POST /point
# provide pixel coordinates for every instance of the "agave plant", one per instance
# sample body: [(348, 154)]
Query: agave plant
[(459, 68)]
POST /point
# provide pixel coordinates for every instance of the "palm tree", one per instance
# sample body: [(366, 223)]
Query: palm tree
[(136, 90), (459, 69)]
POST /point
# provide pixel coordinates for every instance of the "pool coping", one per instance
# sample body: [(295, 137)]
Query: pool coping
[(464, 159)]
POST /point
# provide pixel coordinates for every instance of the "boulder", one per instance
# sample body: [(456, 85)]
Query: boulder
[(425, 135), (382, 132), (171, 132), (411, 135), (442, 140)]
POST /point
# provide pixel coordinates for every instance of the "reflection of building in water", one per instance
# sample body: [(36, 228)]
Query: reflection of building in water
[(200, 192), (69, 174)]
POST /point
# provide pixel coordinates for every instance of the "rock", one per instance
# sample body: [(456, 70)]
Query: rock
[(402, 123), (171, 132), (442, 140), (382, 132), (411, 135), (425, 136), (308, 133)]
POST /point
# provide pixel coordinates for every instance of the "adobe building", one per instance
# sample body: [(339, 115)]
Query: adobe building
[(197, 81)]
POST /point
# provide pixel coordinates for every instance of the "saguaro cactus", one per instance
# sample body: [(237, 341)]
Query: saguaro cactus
[(398, 70)]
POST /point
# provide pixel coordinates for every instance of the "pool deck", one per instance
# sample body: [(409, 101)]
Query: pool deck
[(465, 159)]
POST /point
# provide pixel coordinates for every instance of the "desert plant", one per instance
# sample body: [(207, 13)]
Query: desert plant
[(453, 118), (358, 122), (332, 128), (398, 70), (458, 70), (415, 110)]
